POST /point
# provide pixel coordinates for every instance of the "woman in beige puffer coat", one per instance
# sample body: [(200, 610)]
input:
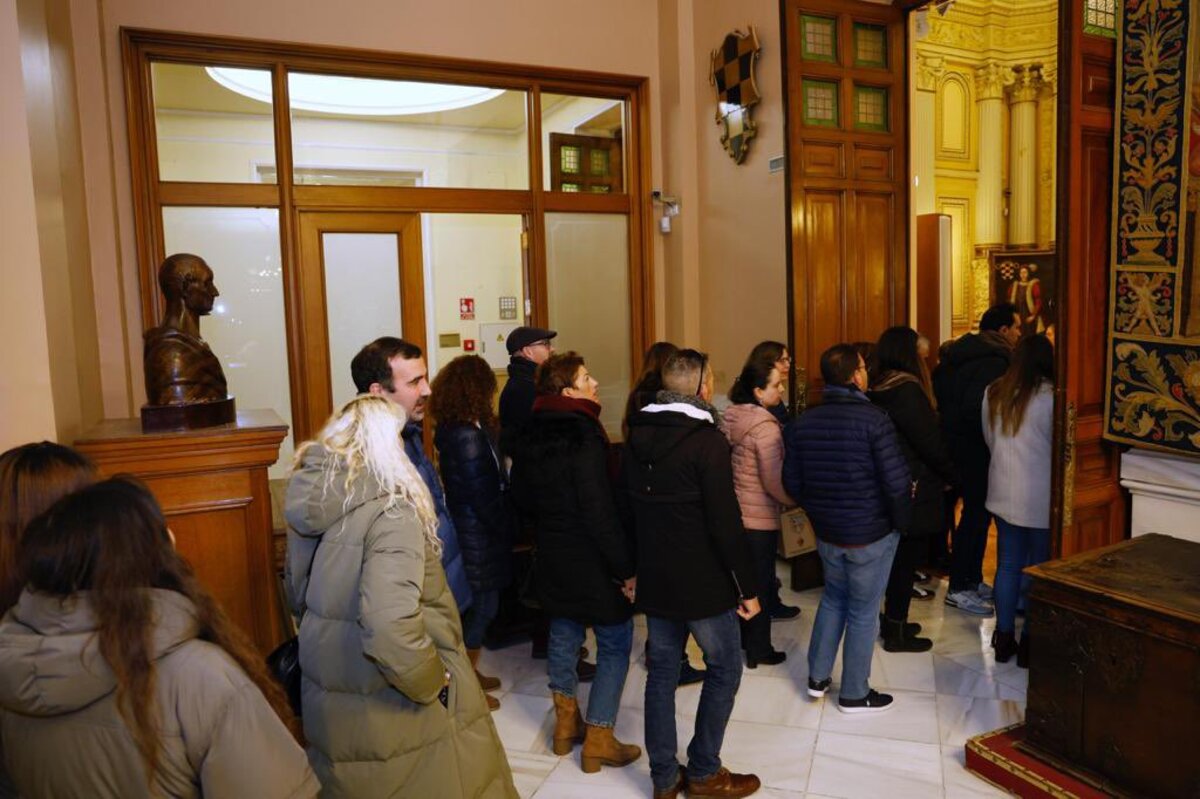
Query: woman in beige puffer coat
[(391, 706), (756, 439)]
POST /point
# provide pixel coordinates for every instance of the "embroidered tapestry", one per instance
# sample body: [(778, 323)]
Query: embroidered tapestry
[(1154, 343)]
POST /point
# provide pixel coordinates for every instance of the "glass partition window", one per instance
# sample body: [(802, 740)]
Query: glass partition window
[(582, 148), (474, 278), (207, 132), (432, 134), (246, 328), (587, 263)]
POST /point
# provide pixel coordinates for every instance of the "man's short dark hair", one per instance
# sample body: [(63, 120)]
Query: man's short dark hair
[(371, 365), (838, 364), (999, 315), (683, 372)]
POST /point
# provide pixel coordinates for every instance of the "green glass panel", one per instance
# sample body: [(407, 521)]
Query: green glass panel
[(870, 45), (601, 189), (870, 108), (1100, 18), (599, 162), (820, 103), (818, 38), (570, 160), (570, 187)]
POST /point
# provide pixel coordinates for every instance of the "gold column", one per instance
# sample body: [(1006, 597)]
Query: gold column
[(929, 74), (989, 201), (1022, 181), (1047, 157)]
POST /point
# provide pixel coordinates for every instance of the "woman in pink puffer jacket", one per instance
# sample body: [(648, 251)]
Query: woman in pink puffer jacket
[(756, 438)]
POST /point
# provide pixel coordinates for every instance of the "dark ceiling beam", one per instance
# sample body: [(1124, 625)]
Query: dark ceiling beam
[(909, 5)]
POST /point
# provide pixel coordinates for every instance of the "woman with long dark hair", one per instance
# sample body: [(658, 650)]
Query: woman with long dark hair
[(902, 388), (32, 478), (1018, 411), (476, 492), (121, 676), (584, 570), (649, 382), (756, 439)]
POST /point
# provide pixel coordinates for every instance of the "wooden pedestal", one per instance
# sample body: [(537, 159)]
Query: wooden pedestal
[(212, 485), (1114, 673)]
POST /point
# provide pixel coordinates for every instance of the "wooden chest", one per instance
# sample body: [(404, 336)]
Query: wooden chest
[(1114, 677)]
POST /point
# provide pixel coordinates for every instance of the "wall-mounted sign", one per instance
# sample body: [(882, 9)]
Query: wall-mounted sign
[(466, 309), (732, 73)]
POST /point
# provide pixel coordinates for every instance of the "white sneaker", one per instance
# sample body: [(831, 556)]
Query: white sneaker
[(969, 602), (984, 592)]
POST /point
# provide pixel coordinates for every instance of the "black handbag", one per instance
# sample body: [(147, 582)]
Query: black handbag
[(284, 665)]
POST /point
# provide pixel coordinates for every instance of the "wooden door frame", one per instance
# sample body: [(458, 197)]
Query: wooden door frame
[(309, 284)]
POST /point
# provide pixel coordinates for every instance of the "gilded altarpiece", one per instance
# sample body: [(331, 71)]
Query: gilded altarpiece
[(1154, 345)]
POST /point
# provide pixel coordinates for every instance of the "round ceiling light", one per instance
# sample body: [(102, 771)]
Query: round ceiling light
[(335, 94)]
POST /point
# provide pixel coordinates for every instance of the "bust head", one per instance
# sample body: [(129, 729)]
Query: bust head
[(188, 280)]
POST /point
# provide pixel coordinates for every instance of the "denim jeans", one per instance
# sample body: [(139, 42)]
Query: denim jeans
[(477, 618), (613, 642), (756, 633), (1016, 548), (855, 578), (719, 640)]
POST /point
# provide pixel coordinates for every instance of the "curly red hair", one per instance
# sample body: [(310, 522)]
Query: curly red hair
[(463, 392)]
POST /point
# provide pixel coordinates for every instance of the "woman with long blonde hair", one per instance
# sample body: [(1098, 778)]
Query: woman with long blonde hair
[(1018, 411), (121, 676), (391, 703)]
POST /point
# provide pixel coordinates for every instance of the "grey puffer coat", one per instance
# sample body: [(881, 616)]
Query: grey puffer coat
[(379, 631), (63, 735)]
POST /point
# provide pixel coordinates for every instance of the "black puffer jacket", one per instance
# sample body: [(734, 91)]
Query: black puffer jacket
[(477, 497), (516, 401), (560, 481), (921, 442), (844, 466), (693, 560), (971, 364)]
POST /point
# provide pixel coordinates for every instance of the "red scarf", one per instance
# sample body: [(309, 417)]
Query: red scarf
[(563, 404)]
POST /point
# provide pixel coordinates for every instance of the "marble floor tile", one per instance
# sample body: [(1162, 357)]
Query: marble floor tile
[(766, 700), (781, 757), (861, 767), (962, 784), (525, 722), (962, 717), (957, 680), (913, 717), (907, 671), (530, 771)]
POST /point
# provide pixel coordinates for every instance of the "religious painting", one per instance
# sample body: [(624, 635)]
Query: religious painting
[(1026, 279), (732, 73)]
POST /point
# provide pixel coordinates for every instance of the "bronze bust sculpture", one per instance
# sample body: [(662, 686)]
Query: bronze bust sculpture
[(185, 384)]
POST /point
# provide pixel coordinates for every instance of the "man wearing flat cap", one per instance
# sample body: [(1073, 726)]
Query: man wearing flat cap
[(527, 348)]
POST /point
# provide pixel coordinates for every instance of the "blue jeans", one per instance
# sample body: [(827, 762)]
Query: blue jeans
[(1016, 548), (719, 639), (855, 578), (477, 618), (613, 642)]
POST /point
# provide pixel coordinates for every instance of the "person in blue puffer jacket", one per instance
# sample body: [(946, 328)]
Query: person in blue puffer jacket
[(476, 492), (395, 369), (844, 465)]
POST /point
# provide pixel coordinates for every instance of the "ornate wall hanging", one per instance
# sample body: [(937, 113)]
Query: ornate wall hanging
[(732, 73), (1154, 348)]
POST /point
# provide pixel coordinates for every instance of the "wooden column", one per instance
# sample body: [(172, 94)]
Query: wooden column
[(212, 485)]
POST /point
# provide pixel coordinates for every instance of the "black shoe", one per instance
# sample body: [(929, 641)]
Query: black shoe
[(911, 628), (817, 689), (894, 639), (1023, 651), (688, 675), (873, 702), (1005, 645), (770, 658), (585, 670), (783, 612)]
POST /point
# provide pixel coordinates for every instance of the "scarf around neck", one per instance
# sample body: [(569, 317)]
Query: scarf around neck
[(560, 403), (666, 397)]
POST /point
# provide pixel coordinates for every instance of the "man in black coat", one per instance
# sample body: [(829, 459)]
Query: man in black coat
[(844, 466), (528, 347), (694, 572), (970, 365)]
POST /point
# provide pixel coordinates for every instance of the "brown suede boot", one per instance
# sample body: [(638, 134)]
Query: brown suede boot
[(568, 725), (601, 747), (492, 702), (723, 783), (487, 683)]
